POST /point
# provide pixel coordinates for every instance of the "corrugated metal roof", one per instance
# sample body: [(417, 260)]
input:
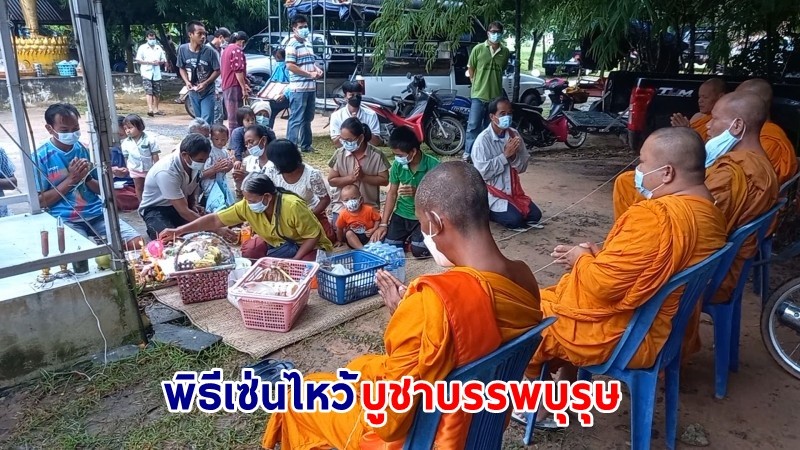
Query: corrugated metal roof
[(48, 12)]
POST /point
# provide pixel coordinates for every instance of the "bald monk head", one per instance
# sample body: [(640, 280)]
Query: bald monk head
[(759, 87), (741, 113), (709, 93), (672, 161)]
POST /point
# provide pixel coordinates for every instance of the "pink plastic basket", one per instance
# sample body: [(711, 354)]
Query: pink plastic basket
[(273, 313)]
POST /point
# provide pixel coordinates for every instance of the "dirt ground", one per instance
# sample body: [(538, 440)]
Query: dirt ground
[(129, 412)]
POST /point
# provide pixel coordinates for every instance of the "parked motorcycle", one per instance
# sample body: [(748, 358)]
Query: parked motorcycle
[(433, 124), (540, 132)]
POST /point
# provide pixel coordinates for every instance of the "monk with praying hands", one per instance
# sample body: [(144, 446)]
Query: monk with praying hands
[(438, 323), (708, 94), (673, 227), (776, 144)]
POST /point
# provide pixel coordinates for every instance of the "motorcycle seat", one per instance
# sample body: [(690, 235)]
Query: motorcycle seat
[(527, 107), (385, 103)]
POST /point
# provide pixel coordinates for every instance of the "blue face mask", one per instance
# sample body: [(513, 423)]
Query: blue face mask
[(718, 146), (504, 122), (638, 181), (262, 120), (495, 37), (402, 160), (152, 42), (303, 32)]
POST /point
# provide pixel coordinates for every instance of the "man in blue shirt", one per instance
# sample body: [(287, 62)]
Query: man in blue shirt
[(279, 75), (67, 184)]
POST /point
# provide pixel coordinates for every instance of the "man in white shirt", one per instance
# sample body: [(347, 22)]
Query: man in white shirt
[(150, 56), (500, 156), (352, 93)]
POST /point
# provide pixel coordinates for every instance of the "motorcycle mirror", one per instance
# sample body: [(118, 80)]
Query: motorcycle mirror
[(536, 73), (408, 75)]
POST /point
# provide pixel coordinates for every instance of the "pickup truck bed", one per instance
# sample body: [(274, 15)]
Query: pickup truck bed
[(654, 98)]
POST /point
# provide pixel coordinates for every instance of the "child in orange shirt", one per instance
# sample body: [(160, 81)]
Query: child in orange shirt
[(356, 222)]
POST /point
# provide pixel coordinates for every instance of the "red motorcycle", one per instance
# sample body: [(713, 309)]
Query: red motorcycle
[(538, 131), (436, 126)]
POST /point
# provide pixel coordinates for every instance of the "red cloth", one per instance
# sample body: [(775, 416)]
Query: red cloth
[(126, 199), (518, 199), (232, 62)]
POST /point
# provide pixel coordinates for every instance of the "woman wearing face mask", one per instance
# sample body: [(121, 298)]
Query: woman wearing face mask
[(289, 172), (171, 186), (263, 111), (282, 224), (256, 140), (359, 163)]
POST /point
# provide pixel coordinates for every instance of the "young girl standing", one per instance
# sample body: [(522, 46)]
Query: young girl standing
[(140, 150)]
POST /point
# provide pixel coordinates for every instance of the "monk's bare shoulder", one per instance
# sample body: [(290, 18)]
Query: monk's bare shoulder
[(523, 275)]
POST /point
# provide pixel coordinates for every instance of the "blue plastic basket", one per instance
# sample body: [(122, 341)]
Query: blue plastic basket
[(359, 283), (66, 70)]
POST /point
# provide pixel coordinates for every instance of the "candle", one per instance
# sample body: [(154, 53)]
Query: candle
[(45, 236), (144, 253), (60, 232)]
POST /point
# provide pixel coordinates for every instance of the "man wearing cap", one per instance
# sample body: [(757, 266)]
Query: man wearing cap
[(233, 69)]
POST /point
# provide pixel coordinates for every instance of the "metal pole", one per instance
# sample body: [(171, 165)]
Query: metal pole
[(89, 30), (518, 49), (17, 105)]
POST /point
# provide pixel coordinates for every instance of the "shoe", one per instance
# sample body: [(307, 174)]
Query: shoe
[(537, 225), (160, 113), (519, 230), (310, 150), (547, 424), (150, 113)]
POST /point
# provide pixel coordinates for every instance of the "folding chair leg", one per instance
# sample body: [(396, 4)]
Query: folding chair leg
[(671, 401), (643, 401), (530, 427), (736, 326), (722, 352)]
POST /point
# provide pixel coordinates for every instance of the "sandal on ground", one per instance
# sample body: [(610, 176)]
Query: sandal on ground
[(270, 369), (547, 424)]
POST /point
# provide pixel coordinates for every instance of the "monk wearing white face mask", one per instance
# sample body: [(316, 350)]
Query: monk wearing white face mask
[(443, 321)]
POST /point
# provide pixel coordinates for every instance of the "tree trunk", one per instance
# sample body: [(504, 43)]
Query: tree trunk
[(128, 45), (172, 57), (536, 38)]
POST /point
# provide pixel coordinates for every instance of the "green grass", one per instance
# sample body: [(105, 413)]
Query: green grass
[(63, 410)]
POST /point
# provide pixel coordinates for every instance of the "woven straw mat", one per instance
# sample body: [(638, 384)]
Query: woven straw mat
[(223, 319)]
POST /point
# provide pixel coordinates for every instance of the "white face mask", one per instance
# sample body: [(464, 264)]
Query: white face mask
[(258, 207), (427, 238), (352, 205), (69, 138), (719, 145)]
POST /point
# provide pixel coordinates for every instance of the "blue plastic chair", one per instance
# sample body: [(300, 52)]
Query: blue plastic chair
[(788, 192), (727, 316), (486, 429), (642, 382)]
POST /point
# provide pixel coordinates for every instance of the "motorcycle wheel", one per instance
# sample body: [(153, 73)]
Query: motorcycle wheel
[(774, 332), (575, 138), (187, 105), (451, 142)]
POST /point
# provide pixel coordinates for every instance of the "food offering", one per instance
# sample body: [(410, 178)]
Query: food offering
[(273, 293), (202, 264)]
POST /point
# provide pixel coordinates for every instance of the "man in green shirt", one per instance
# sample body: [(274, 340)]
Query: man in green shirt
[(399, 221), (487, 64)]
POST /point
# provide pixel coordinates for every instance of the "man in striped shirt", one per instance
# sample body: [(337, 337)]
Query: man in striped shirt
[(303, 74)]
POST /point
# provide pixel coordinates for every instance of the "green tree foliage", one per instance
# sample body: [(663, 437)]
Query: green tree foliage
[(611, 30)]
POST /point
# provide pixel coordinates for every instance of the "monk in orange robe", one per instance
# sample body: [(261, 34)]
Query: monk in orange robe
[(776, 144), (674, 227), (708, 94), (442, 322), (746, 194)]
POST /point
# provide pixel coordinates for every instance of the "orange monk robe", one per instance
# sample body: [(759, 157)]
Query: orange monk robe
[(779, 150), (595, 301), (419, 343), (699, 123), (625, 194), (744, 186)]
